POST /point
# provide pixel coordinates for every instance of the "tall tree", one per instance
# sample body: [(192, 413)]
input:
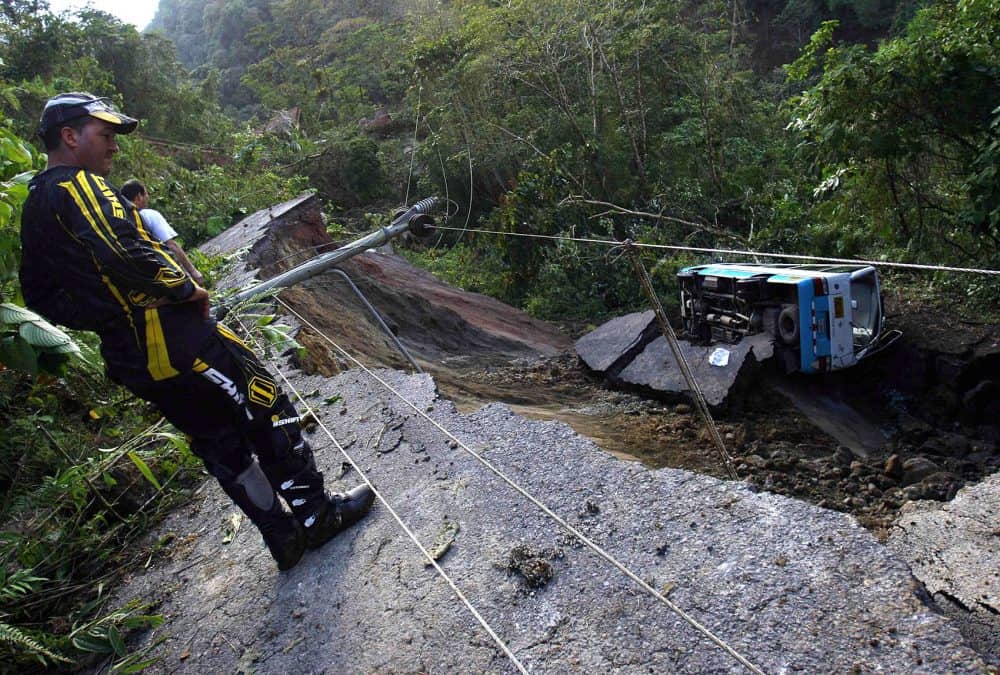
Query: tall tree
[(905, 139)]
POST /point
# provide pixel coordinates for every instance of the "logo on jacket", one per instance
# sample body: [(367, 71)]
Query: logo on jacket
[(262, 391), (169, 277), (116, 207)]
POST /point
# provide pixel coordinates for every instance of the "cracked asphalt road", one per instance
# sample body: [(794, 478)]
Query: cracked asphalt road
[(788, 585)]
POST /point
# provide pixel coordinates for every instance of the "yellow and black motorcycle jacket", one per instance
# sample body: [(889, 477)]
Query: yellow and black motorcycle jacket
[(89, 263)]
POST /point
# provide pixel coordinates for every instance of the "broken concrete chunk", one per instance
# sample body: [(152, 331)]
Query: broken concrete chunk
[(951, 549), (631, 350), (613, 345), (657, 369)]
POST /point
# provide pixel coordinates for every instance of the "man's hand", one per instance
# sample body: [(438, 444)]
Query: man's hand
[(201, 298)]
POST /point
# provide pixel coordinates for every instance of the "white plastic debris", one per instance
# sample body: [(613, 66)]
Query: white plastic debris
[(720, 357)]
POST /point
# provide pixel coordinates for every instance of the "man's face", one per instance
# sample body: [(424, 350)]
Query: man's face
[(141, 200), (93, 146)]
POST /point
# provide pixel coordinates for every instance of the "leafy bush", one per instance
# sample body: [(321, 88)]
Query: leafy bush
[(18, 163), (903, 140), (200, 203), (346, 170), (28, 342), (464, 267)]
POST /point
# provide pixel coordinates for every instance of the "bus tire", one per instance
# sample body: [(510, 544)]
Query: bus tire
[(788, 325)]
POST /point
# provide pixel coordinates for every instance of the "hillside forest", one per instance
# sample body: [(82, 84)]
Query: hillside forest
[(847, 128)]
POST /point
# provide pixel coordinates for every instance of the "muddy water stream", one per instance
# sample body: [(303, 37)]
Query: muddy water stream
[(571, 406), (619, 422), (656, 433), (844, 443)]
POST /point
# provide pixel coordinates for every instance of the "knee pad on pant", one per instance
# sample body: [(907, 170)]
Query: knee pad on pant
[(225, 456), (256, 487)]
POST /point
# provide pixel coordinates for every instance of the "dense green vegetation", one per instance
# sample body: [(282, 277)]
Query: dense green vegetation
[(865, 128), (878, 140)]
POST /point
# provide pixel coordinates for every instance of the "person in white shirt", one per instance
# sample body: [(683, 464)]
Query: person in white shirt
[(136, 192)]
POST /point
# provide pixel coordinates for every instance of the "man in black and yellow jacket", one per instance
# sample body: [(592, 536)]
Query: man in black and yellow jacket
[(89, 263)]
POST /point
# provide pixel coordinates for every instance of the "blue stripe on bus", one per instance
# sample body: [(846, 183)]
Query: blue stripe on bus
[(806, 297)]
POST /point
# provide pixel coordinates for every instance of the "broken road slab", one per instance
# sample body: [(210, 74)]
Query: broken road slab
[(631, 350), (790, 586), (954, 550), (612, 345), (656, 368)]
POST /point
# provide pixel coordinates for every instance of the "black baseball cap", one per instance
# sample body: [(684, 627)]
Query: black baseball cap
[(65, 107)]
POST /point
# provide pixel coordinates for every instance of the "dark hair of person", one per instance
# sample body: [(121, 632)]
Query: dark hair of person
[(132, 188), (53, 137)]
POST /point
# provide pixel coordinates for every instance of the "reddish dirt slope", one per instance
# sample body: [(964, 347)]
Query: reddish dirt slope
[(436, 322)]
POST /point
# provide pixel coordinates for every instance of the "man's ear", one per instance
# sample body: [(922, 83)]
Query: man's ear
[(70, 137)]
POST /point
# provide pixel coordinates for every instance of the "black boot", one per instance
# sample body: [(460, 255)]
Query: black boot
[(283, 534), (339, 512), (322, 515)]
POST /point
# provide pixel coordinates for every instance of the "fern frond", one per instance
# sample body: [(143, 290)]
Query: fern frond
[(20, 583), (17, 638)]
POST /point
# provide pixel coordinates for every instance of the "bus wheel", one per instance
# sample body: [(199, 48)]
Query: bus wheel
[(788, 325)]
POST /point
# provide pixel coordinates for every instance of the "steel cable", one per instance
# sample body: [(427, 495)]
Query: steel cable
[(763, 254), (545, 509), (413, 148), (430, 559), (668, 333)]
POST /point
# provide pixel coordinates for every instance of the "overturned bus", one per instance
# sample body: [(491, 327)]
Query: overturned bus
[(821, 317)]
